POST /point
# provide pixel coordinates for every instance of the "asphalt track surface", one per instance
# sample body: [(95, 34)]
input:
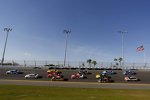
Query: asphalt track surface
[(76, 84), (90, 82)]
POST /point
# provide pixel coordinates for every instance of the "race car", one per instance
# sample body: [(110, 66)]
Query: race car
[(129, 72), (98, 76), (108, 72), (14, 72), (111, 72), (32, 76), (58, 78), (55, 74), (53, 70), (105, 79), (85, 72), (78, 76), (131, 78)]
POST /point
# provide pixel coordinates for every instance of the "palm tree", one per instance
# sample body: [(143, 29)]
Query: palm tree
[(89, 61), (116, 63), (115, 59), (94, 62), (120, 60)]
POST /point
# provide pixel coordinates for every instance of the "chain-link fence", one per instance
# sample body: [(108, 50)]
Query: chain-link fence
[(75, 64)]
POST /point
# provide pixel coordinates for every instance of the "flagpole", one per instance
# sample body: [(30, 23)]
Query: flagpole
[(144, 59), (122, 33)]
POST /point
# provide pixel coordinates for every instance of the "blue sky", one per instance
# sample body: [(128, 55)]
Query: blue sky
[(38, 29)]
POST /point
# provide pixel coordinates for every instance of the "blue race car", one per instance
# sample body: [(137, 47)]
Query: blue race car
[(129, 72), (109, 72)]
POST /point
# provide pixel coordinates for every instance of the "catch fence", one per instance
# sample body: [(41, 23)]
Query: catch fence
[(75, 64)]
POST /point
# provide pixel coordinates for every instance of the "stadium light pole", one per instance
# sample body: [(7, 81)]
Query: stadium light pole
[(7, 30), (122, 33), (66, 42)]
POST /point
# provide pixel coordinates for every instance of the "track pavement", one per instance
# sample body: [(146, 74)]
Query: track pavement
[(90, 82), (76, 84)]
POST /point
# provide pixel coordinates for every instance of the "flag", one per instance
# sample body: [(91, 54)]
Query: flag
[(140, 48)]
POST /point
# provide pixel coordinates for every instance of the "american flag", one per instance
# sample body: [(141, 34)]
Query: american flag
[(140, 48)]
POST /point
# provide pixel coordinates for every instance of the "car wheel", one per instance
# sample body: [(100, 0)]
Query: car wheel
[(27, 77)]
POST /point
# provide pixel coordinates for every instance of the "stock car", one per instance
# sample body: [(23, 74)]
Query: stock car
[(105, 79), (97, 76), (58, 78), (129, 72), (53, 70), (109, 72), (131, 78), (32, 76), (14, 72), (55, 74), (78, 76), (85, 72)]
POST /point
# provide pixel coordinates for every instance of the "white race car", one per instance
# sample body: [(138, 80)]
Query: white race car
[(14, 72), (32, 76), (131, 78)]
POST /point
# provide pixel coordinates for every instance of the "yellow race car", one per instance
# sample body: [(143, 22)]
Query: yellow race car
[(53, 70), (98, 76)]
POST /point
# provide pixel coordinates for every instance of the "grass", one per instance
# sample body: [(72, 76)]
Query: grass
[(14, 92)]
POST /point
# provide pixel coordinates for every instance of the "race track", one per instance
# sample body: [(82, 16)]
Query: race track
[(90, 82)]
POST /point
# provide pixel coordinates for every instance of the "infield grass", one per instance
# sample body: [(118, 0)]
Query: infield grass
[(15, 92)]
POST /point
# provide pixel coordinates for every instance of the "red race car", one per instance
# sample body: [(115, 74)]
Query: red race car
[(55, 74), (78, 76)]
